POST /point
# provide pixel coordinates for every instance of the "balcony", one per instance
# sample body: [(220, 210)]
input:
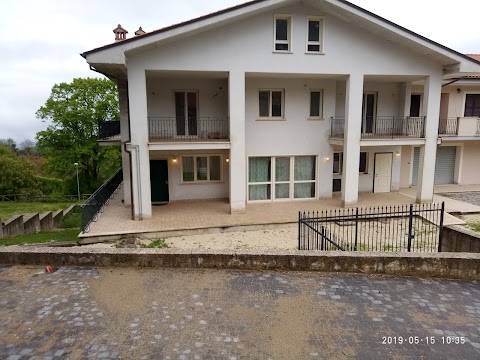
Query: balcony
[(383, 127), (458, 126), (193, 129), (109, 131)]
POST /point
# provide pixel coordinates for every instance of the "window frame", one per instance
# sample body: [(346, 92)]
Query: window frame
[(321, 35), (340, 171), (465, 103), (287, 17), (320, 110), (273, 181), (270, 104), (195, 180)]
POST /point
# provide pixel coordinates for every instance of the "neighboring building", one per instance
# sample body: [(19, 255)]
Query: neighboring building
[(279, 100)]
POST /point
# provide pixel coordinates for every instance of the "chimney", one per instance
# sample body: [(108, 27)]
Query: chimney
[(120, 33), (140, 31)]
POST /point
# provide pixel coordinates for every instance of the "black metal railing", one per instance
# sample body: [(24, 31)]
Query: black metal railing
[(97, 201), (47, 198), (448, 126), (478, 128), (383, 127), (408, 228), (108, 129), (161, 129)]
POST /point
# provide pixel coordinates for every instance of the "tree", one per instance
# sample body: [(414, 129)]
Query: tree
[(16, 174), (9, 142), (74, 111)]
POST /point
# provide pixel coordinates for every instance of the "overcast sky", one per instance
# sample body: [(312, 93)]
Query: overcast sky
[(40, 41)]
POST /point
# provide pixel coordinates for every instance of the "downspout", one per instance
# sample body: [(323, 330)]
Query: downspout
[(129, 148)]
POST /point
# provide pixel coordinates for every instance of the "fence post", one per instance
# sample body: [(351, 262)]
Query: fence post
[(440, 233), (410, 223), (323, 238), (356, 230), (299, 220)]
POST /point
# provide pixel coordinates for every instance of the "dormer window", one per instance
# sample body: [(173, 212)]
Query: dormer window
[(282, 33), (315, 35)]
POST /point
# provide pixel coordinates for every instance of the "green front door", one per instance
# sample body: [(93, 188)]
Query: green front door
[(159, 180)]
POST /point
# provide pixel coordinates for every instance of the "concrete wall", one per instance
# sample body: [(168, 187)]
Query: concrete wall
[(46, 220), (31, 223), (57, 217), (470, 169), (459, 239), (193, 191), (13, 226), (406, 166)]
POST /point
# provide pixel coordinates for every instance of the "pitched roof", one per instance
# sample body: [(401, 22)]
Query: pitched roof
[(477, 58), (254, 2)]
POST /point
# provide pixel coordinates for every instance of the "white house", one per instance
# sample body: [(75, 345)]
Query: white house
[(281, 100)]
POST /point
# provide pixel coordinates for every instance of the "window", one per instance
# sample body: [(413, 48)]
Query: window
[(204, 168), (472, 105), (282, 33), (285, 177), (315, 35), (270, 104), (338, 163), (316, 104)]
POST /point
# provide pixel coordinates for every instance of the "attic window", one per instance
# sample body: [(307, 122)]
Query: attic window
[(315, 35), (282, 33)]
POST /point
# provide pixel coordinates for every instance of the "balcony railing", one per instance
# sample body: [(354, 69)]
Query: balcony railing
[(108, 130), (448, 126), (383, 127), (193, 129)]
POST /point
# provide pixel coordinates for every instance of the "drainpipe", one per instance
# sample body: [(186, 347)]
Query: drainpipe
[(129, 148)]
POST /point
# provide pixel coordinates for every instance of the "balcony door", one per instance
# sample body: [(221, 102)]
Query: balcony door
[(369, 112), (186, 112)]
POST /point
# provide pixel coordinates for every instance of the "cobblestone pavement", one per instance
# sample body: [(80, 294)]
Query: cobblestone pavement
[(87, 313), (470, 197)]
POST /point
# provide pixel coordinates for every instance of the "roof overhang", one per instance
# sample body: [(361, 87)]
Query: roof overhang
[(454, 64)]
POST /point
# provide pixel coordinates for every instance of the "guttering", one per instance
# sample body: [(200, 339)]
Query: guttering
[(129, 148)]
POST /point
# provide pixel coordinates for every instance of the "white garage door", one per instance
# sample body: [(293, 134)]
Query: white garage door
[(444, 165)]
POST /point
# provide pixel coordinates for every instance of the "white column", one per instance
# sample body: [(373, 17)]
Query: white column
[(428, 152), (125, 135), (238, 165), (137, 93), (407, 98), (351, 146)]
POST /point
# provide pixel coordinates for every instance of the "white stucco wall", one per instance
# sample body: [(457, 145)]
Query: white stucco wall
[(470, 170), (406, 166), (193, 191), (212, 95), (296, 134)]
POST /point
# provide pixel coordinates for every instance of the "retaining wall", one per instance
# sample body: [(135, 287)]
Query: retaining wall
[(13, 226), (31, 223), (46, 221), (57, 218), (460, 239), (444, 265)]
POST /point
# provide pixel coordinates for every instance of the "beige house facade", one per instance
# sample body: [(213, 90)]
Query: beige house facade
[(283, 100)]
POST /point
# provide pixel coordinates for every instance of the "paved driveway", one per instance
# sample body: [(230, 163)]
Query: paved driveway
[(85, 313), (470, 197)]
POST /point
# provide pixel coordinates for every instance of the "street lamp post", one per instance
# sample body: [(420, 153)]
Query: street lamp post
[(78, 182)]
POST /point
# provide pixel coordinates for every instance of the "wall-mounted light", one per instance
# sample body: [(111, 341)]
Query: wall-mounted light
[(459, 90), (174, 160), (227, 160), (327, 158), (397, 154)]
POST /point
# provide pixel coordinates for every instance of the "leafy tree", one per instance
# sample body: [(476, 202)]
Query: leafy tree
[(74, 111), (9, 142), (16, 174)]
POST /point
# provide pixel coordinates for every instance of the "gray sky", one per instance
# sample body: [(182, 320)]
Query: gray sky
[(40, 41)]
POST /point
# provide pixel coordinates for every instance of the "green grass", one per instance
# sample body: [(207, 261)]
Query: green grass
[(8, 209), (475, 226), (42, 237), (155, 244)]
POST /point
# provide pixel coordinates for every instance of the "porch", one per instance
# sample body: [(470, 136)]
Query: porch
[(197, 216)]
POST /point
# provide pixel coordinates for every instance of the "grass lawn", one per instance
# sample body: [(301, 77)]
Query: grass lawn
[(42, 237), (10, 208), (475, 226)]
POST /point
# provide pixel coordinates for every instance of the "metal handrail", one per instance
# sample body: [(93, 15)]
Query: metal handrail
[(188, 129), (383, 127), (448, 126), (97, 201)]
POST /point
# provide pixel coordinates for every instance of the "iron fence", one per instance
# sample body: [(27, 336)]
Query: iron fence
[(97, 201), (383, 127), (448, 126), (180, 129), (53, 198), (478, 128), (411, 228), (108, 129)]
